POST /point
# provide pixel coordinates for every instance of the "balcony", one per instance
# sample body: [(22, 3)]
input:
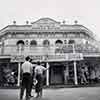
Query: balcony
[(86, 49), (40, 50), (26, 50)]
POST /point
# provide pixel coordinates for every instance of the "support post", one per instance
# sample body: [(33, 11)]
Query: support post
[(47, 74), (19, 70), (75, 74)]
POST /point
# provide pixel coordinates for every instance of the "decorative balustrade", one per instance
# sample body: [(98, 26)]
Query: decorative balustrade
[(40, 50), (86, 48)]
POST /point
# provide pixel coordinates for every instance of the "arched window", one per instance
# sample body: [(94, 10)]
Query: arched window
[(20, 45), (46, 43), (59, 42), (20, 42), (71, 42), (33, 43)]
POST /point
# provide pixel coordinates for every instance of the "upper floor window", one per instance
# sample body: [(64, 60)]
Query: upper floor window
[(46, 43), (87, 42), (20, 45), (71, 42), (33, 43), (58, 43)]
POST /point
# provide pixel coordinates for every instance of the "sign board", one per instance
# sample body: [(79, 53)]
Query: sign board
[(75, 56), (17, 58), (50, 58)]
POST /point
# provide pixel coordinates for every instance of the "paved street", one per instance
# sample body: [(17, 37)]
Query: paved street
[(90, 93)]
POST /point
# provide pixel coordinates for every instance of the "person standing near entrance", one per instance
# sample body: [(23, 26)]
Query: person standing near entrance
[(39, 77), (84, 74), (26, 78)]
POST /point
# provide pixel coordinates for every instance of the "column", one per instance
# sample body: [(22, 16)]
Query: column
[(47, 74), (19, 70), (75, 68), (75, 74)]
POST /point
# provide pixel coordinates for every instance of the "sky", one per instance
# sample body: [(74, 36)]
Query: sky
[(87, 12)]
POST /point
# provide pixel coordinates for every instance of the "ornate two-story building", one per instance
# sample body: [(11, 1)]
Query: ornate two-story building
[(61, 46)]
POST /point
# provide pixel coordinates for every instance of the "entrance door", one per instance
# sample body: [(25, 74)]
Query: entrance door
[(56, 74), (71, 72)]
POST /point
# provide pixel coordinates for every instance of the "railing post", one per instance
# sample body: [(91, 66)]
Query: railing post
[(47, 74)]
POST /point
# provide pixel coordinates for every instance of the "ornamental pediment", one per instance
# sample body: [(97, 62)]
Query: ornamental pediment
[(45, 23)]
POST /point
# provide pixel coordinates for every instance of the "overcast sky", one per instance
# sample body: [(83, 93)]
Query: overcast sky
[(87, 12)]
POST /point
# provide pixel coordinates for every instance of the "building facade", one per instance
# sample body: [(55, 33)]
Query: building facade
[(65, 48)]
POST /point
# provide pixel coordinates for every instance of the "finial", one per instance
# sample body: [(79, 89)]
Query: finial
[(27, 22), (75, 21), (64, 22), (14, 22)]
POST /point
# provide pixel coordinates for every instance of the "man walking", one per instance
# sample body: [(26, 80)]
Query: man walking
[(27, 69)]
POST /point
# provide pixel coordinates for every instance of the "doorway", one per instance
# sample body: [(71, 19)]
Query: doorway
[(56, 73)]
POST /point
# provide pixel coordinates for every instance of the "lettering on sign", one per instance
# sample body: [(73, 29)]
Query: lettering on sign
[(36, 57), (75, 56), (17, 58), (57, 57)]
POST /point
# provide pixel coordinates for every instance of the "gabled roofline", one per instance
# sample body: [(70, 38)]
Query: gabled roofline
[(45, 18), (78, 27)]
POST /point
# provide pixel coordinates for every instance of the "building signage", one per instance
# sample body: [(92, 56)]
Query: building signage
[(75, 56), (50, 58), (55, 58), (17, 58)]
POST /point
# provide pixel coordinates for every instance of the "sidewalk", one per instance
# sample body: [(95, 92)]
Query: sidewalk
[(89, 93)]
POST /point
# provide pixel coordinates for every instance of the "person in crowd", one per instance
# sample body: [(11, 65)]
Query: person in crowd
[(27, 69), (66, 75), (39, 77), (11, 79), (84, 74)]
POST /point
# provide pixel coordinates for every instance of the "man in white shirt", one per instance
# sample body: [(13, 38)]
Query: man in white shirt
[(27, 69), (39, 69), (31, 84)]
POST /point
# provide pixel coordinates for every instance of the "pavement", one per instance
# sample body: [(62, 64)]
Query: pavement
[(81, 93)]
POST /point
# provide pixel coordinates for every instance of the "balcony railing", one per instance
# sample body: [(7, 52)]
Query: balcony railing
[(40, 50)]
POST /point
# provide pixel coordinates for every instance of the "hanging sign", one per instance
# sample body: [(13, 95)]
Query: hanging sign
[(75, 56), (50, 58), (17, 58)]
